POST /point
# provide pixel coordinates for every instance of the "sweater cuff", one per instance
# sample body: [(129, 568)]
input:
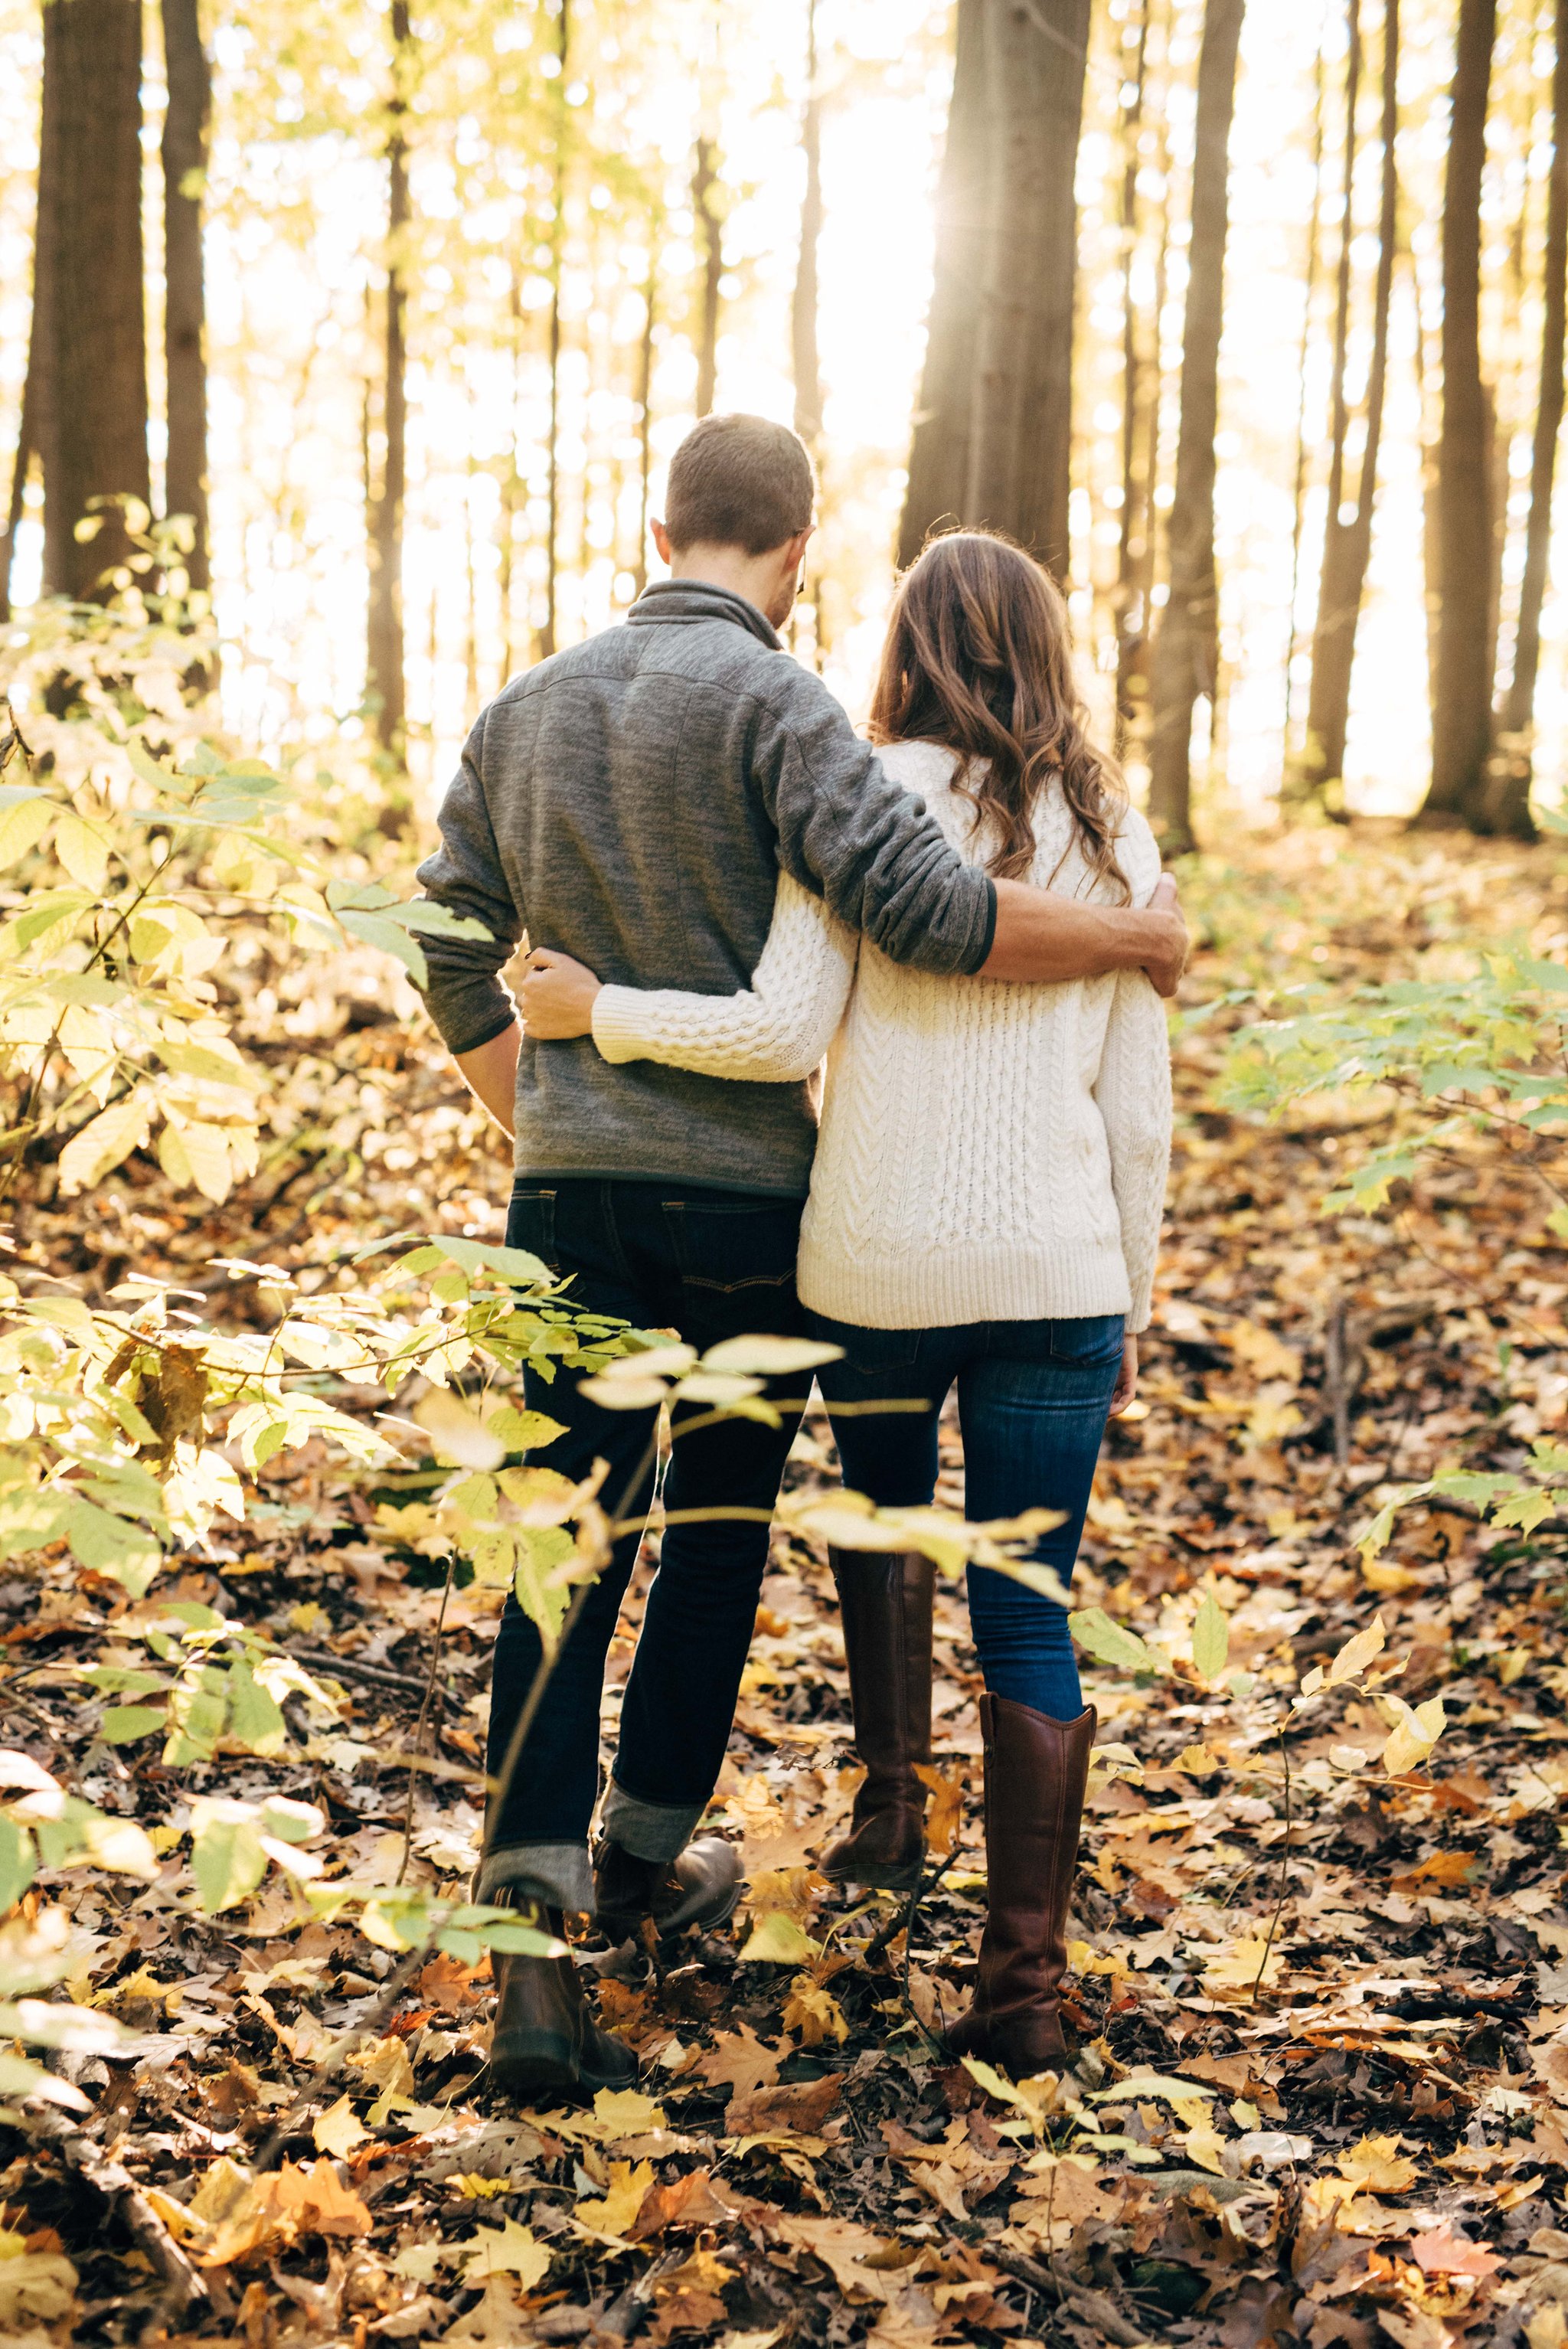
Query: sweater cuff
[(618, 1031), (989, 938)]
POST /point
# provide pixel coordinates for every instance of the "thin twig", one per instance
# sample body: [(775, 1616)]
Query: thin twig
[(424, 1714), (181, 2282), (339, 2052), (1284, 1867)]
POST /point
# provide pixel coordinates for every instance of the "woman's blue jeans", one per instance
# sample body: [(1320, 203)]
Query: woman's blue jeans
[(1032, 1400)]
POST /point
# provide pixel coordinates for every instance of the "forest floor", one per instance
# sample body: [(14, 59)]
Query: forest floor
[(1324, 2011)]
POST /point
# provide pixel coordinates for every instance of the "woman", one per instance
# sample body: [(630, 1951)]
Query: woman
[(984, 1210)]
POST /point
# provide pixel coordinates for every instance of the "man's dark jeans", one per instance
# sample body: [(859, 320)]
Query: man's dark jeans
[(712, 1265)]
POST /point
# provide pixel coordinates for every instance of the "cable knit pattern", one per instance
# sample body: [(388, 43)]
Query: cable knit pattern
[(990, 1151)]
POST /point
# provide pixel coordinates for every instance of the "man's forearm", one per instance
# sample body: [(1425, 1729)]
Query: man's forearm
[(489, 1072), (1042, 936)]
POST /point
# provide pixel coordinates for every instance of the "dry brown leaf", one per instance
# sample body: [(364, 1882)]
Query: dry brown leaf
[(1440, 2252), (740, 2059), (798, 2110), (691, 2201)]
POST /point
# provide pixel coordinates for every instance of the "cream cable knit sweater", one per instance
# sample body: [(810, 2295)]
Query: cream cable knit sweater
[(989, 1151)]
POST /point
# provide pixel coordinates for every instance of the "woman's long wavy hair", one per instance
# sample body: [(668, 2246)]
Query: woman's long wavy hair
[(977, 658)]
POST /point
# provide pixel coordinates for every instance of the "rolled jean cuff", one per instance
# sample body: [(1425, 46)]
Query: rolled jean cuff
[(658, 1831), (559, 1873)]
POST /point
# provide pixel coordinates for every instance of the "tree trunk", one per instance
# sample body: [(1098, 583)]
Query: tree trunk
[(645, 407), (710, 247), (384, 665), (91, 432), (1509, 810), (939, 455), (1462, 701), (1131, 621), (1006, 387), (1298, 509), (1186, 648), (548, 634), (185, 309), (803, 308), (1347, 544), (1132, 673)]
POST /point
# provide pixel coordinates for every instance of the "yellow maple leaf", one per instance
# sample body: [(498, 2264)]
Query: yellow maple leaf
[(1377, 2165), (612, 2213), (1231, 1971), (626, 2112), (814, 2012), (338, 2130), (507, 2250)]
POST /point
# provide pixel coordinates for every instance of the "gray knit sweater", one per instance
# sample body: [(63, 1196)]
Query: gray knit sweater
[(630, 801)]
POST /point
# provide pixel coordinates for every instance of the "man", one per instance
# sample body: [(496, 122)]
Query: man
[(630, 801)]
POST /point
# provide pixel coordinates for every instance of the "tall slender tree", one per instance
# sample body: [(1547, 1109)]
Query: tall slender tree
[(1507, 805), (646, 399), (1135, 516), (705, 204), (548, 638), (1298, 503), (1347, 536), (384, 663), (803, 351), (1186, 644), (184, 157), (90, 419), (1461, 699), (993, 437)]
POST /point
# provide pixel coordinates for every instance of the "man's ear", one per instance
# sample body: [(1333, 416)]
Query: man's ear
[(662, 541)]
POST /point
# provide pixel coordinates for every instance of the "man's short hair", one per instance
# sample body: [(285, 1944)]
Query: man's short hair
[(739, 481)]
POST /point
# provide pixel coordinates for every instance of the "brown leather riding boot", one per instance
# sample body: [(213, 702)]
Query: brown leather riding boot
[(546, 2042), (885, 1598), (1036, 1772)]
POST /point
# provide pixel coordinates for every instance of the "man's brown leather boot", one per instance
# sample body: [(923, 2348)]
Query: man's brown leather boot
[(698, 1888), (885, 1599), (1037, 1769), (546, 2042)]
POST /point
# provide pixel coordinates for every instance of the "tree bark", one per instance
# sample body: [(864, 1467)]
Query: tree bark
[(710, 247), (999, 355), (383, 663), (548, 637), (91, 432), (803, 306), (1298, 508), (184, 157), (1131, 619), (939, 454), (645, 405), (1510, 809), (1461, 700), (1186, 646), (1347, 545)]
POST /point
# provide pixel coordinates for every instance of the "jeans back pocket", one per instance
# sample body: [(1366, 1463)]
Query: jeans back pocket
[(531, 1223)]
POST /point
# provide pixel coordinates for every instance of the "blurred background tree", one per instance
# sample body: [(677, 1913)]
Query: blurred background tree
[(1253, 330)]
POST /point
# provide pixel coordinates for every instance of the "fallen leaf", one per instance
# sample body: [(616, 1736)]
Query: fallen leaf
[(690, 2202), (739, 2059), (613, 2212), (494, 2321), (1377, 2166), (771, 2112), (507, 2250), (1440, 2252), (338, 2130)]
